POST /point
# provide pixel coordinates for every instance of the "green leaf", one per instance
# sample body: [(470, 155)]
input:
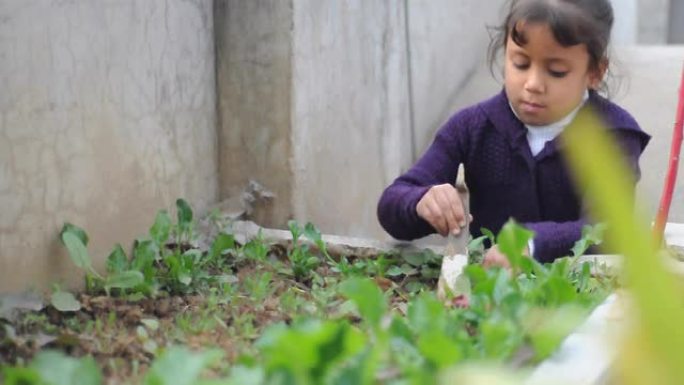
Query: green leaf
[(415, 259), (439, 349), (150, 323), (57, 369), (360, 371), (313, 234), (512, 241), (477, 244), (548, 328), (117, 260), (77, 250), (179, 366), (585, 275), (144, 255), (191, 257), (499, 337), (400, 329), (309, 350), (476, 273), (77, 231), (256, 249), (502, 286), (295, 230), (426, 313), (124, 280), (161, 228), (185, 278), (222, 243), (241, 375), (489, 234), (20, 376), (591, 236), (559, 290), (367, 297), (184, 214), (65, 301), (394, 271)]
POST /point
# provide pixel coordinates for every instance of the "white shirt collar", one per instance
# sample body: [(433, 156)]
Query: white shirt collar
[(537, 136)]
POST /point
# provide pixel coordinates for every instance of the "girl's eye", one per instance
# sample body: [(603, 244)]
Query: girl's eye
[(558, 74), (521, 66)]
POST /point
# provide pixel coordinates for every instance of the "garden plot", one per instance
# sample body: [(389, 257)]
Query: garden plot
[(238, 306)]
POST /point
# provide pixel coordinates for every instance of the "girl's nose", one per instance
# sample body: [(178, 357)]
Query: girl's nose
[(534, 82)]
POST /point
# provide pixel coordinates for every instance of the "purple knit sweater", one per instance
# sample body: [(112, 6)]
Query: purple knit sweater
[(504, 179)]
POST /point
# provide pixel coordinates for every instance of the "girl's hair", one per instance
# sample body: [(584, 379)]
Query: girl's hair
[(572, 22)]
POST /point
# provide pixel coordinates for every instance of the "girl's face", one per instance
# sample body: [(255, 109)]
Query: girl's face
[(545, 81)]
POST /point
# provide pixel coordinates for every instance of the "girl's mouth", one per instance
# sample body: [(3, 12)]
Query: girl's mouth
[(531, 108)]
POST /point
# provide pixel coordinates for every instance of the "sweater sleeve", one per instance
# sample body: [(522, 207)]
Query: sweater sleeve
[(555, 239), (439, 165)]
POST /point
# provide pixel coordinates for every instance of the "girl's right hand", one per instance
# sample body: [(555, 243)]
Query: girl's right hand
[(442, 208)]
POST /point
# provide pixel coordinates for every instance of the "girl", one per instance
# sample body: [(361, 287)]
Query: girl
[(555, 59)]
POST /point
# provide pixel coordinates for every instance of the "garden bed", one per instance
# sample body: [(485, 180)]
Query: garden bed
[(306, 310)]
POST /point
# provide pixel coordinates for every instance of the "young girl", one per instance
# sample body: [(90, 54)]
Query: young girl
[(555, 59)]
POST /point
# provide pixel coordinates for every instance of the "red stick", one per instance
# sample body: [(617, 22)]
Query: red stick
[(675, 149)]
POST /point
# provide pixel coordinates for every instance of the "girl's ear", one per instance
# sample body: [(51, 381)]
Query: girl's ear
[(597, 74)]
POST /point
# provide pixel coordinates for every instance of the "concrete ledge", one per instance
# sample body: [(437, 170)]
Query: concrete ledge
[(586, 356)]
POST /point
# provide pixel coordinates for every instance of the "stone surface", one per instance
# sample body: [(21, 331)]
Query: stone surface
[(107, 113)]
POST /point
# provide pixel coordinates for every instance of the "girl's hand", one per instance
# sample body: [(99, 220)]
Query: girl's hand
[(495, 258), (442, 208)]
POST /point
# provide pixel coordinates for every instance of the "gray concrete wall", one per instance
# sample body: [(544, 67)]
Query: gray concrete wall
[(653, 21), (676, 22), (107, 113), (448, 43), (626, 27), (651, 82), (326, 102), (369, 95), (351, 110), (254, 70)]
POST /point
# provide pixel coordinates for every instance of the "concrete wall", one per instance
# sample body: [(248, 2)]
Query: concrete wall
[(448, 43), (653, 21), (626, 27), (254, 73), (651, 81), (107, 113), (368, 96), (337, 97), (351, 110), (676, 22)]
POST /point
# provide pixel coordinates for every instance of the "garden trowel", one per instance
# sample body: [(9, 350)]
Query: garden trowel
[(452, 282)]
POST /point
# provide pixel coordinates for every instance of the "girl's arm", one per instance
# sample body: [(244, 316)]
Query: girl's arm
[(439, 165), (556, 239)]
